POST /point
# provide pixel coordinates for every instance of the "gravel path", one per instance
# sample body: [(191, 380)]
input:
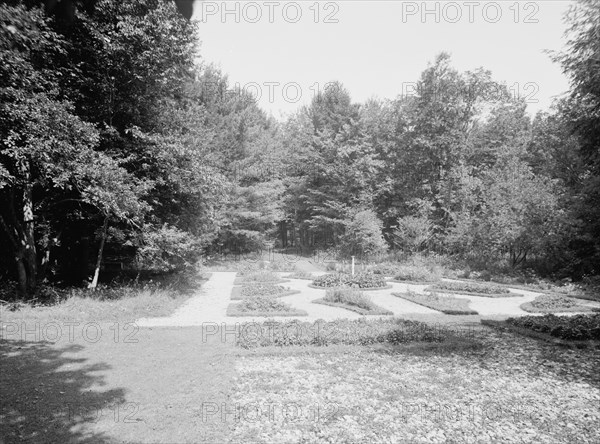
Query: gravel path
[(210, 305)]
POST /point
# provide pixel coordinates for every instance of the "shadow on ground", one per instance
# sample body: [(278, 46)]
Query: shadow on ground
[(50, 395)]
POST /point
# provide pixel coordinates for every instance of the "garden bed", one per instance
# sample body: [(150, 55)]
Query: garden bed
[(445, 304), (362, 281), (571, 331), (473, 289), (398, 281), (351, 299), (265, 290), (387, 287), (342, 331), (552, 303), (376, 310), (263, 307)]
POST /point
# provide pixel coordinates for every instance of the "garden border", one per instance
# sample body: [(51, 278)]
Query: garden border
[(236, 293), (233, 312), (387, 287), (471, 312), (481, 295), (539, 335), (380, 312), (240, 281)]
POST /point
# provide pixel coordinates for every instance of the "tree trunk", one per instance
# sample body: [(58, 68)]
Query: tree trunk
[(94, 282), (30, 255)]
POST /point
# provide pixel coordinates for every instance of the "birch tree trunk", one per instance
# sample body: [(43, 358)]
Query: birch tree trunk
[(94, 282)]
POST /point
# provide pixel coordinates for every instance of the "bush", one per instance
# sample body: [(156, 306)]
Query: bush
[(359, 280), (385, 269), (343, 331), (349, 296), (416, 274), (578, 327), (471, 287)]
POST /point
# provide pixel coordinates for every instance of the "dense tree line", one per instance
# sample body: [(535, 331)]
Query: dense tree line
[(118, 147)]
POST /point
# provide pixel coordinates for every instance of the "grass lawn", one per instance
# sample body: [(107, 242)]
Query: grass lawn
[(123, 304), (506, 389), (552, 303), (446, 304)]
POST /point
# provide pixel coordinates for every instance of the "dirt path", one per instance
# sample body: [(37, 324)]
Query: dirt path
[(158, 389)]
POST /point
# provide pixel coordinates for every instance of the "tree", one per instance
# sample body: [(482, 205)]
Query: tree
[(47, 152)]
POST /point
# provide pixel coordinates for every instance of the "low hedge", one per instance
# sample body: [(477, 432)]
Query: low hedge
[(445, 304)]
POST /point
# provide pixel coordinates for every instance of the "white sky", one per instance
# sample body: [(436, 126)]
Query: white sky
[(377, 48)]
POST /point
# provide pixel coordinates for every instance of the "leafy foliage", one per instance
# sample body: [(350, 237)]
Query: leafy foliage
[(343, 331), (578, 327), (349, 296), (359, 280), (471, 287), (445, 304)]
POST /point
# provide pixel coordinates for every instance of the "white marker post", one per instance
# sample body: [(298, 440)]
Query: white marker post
[(352, 265)]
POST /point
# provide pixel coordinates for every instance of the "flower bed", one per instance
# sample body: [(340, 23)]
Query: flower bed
[(474, 289), (265, 290), (364, 281), (553, 303), (351, 299), (445, 304), (577, 327), (259, 277), (263, 306), (342, 331)]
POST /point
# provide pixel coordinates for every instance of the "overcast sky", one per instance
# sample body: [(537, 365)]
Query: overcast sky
[(285, 51)]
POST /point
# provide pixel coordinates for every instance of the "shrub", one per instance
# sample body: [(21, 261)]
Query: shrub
[(578, 327), (349, 296), (359, 280), (471, 287), (343, 331), (416, 274), (385, 269)]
